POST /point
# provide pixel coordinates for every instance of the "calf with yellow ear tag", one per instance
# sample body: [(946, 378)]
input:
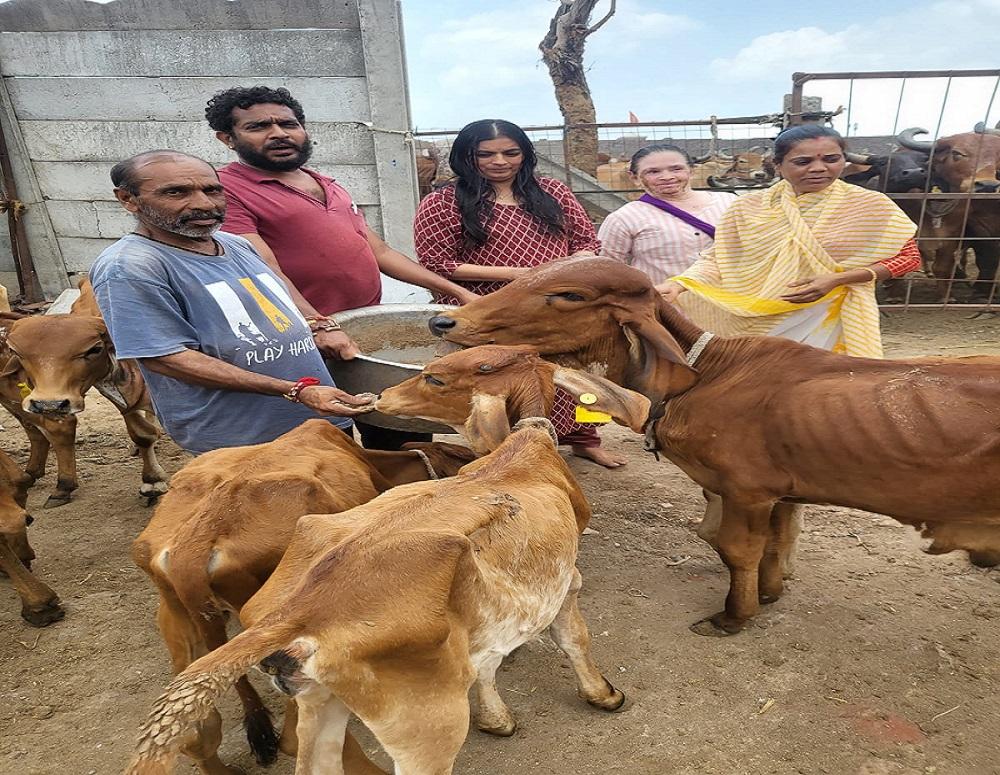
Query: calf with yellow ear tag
[(483, 391)]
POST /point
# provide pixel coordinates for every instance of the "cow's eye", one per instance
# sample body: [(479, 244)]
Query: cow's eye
[(433, 381), (567, 296), (97, 349)]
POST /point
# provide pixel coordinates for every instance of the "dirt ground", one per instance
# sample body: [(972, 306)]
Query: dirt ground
[(880, 660)]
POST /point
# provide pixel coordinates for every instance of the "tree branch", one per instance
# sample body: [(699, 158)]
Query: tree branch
[(603, 21)]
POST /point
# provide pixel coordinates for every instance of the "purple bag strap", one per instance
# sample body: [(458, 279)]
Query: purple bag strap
[(684, 215)]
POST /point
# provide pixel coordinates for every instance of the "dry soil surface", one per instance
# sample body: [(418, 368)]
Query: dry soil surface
[(879, 660)]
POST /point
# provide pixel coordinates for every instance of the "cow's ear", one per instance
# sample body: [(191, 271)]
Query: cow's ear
[(487, 425), (534, 394), (597, 394), (657, 365), (12, 367)]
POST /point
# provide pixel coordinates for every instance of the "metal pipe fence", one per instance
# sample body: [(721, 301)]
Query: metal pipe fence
[(958, 218)]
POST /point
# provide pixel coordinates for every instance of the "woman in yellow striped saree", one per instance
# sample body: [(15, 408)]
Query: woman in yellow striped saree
[(801, 259)]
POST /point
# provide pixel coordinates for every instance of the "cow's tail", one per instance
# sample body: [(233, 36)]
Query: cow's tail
[(191, 696)]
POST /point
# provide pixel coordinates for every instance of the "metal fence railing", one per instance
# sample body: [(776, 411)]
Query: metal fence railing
[(955, 203)]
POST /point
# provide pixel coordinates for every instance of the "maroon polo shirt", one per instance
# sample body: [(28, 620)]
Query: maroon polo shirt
[(322, 248)]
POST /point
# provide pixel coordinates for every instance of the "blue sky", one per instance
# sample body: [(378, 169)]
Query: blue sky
[(681, 59)]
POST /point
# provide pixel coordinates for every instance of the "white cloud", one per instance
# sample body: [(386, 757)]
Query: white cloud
[(492, 58), (938, 35), (807, 48)]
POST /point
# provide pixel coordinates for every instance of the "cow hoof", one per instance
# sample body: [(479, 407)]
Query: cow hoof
[(716, 627), (153, 489), (613, 702), (768, 599), (43, 617), (501, 730), (57, 499)]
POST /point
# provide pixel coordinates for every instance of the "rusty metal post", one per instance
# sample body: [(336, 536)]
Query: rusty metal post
[(565, 145), (27, 279)]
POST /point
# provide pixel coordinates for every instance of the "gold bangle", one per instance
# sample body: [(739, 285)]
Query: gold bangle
[(873, 273)]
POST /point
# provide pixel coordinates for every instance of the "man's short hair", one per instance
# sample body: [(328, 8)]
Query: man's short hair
[(219, 110), (123, 174)]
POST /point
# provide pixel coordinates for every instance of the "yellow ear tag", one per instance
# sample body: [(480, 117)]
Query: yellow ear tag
[(25, 390), (583, 414)]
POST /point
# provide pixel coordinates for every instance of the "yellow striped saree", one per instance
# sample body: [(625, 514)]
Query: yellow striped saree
[(770, 238)]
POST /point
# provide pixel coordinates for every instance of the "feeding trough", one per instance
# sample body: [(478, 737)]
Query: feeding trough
[(395, 344)]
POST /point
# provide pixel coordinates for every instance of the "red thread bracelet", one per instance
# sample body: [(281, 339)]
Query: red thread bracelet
[(298, 387)]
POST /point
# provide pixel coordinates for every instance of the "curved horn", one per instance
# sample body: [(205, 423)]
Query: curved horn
[(701, 159), (858, 158), (982, 129), (905, 139), (715, 183)]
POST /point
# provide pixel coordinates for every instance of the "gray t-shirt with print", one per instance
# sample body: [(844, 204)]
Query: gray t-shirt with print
[(159, 300)]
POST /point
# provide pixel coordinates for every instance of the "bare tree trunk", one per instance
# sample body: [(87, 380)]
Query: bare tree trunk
[(562, 51)]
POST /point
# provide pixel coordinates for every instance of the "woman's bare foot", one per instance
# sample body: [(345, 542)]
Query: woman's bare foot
[(599, 455)]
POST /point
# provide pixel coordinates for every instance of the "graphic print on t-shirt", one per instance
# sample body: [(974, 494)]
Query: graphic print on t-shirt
[(241, 323)]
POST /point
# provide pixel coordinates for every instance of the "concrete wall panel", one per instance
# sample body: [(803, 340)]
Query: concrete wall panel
[(104, 220), (89, 181), (55, 15), (116, 140), (174, 99), (239, 53), (79, 252)]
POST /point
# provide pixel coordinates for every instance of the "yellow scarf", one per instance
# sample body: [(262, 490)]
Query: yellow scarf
[(771, 238)]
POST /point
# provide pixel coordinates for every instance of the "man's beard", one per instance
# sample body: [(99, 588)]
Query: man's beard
[(263, 162), (179, 225)]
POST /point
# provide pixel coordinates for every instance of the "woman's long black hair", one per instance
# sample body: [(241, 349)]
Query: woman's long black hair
[(475, 195)]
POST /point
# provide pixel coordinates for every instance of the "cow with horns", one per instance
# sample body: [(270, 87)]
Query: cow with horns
[(965, 162)]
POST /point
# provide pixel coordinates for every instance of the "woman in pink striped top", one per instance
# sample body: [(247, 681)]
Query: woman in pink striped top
[(643, 235)]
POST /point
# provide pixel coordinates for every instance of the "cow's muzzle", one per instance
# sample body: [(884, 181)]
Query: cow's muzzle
[(440, 325), (59, 407)]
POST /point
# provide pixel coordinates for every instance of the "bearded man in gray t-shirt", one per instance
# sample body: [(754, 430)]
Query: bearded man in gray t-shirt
[(214, 330)]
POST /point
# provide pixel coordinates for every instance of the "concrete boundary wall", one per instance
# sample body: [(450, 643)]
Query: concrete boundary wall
[(83, 85)]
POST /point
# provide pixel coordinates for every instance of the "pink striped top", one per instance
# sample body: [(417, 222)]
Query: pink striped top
[(656, 242)]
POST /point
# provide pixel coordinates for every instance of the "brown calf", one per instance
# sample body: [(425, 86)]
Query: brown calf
[(47, 365), (39, 604), (222, 528), (483, 391), (393, 610), (768, 423)]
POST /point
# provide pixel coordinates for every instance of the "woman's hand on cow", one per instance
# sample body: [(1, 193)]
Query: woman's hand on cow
[(336, 345), (670, 290), (813, 288), (333, 401)]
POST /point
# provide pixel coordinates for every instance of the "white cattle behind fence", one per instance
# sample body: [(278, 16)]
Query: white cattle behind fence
[(85, 85)]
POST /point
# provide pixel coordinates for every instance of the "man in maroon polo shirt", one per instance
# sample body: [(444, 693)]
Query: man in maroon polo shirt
[(305, 225)]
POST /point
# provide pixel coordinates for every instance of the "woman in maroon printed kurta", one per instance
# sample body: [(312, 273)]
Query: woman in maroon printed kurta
[(495, 221)]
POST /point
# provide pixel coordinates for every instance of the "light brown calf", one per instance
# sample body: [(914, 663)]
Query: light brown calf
[(768, 423), (222, 528), (47, 365), (393, 610), (39, 604)]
